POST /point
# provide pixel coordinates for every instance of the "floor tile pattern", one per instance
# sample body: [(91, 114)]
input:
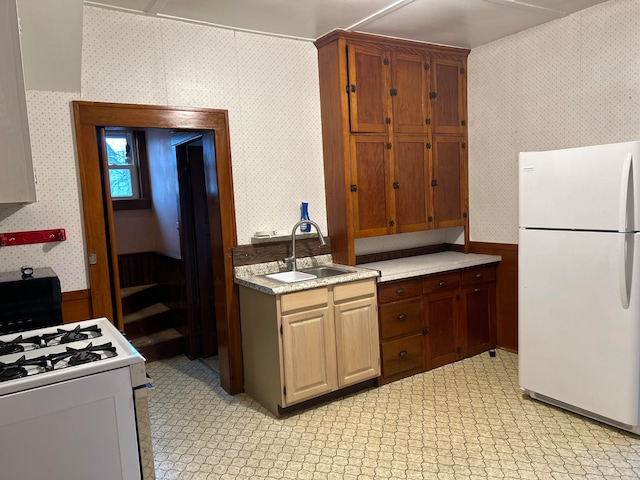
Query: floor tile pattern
[(467, 420)]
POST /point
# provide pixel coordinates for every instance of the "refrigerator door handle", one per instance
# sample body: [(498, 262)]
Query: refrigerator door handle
[(623, 218), (625, 268)]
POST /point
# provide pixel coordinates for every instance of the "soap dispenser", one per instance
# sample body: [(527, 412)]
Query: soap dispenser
[(304, 215)]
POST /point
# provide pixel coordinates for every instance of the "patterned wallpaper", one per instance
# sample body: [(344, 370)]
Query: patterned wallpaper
[(571, 82), (574, 81)]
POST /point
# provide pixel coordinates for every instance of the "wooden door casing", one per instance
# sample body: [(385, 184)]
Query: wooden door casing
[(88, 116)]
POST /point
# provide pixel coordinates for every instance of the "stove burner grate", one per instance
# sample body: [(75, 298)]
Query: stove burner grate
[(81, 356), (68, 336), (18, 369), (18, 345)]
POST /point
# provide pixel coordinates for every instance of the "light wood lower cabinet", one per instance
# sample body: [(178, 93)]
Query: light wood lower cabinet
[(430, 321), (302, 345)]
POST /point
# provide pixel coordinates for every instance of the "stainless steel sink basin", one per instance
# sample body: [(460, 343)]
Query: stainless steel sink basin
[(324, 272)]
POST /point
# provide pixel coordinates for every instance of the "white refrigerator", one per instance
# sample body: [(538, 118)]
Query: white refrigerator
[(579, 280)]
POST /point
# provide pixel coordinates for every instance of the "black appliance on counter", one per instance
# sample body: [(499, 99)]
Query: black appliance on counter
[(29, 299)]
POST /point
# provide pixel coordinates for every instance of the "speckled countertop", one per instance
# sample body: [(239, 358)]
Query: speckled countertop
[(253, 276), (428, 264)]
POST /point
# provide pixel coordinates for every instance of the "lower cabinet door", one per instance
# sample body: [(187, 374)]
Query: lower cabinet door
[(443, 339), (309, 359), (478, 315), (358, 348)]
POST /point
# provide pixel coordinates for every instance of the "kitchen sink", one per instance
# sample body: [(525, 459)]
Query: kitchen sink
[(291, 277), (324, 272)]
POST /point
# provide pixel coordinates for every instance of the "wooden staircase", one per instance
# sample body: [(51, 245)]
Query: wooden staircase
[(149, 324)]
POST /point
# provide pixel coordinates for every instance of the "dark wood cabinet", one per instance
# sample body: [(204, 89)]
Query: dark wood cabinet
[(431, 321), (382, 102)]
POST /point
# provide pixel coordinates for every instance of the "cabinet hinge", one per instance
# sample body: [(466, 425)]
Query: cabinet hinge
[(426, 66), (387, 121), (428, 145), (462, 71), (463, 122), (393, 92), (464, 145), (432, 95), (458, 350), (425, 330), (351, 88), (392, 223), (385, 61), (457, 296), (464, 214), (430, 219), (396, 185), (388, 146), (353, 188), (428, 121), (434, 183)]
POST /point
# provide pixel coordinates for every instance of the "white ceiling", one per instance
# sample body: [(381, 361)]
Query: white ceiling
[(461, 23)]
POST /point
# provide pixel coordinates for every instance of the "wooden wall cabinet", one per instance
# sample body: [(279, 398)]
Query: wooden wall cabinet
[(431, 321), (17, 182), (302, 345), (394, 137)]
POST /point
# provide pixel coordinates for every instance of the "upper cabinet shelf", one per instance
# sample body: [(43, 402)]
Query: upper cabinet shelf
[(17, 184)]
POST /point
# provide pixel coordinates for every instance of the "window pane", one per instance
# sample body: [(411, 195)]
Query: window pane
[(119, 149), (120, 180)]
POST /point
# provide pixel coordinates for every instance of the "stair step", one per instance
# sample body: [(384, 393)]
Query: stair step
[(159, 345), (146, 312), (128, 291)]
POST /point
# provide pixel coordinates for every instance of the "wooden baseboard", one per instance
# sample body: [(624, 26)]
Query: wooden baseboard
[(76, 306), (506, 291)]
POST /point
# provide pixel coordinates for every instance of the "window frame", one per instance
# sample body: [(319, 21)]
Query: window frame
[(139, 150)]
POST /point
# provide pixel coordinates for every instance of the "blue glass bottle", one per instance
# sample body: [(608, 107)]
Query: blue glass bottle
[(304, 215)]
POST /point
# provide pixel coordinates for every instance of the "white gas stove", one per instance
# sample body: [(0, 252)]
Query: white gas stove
[(76, 395)]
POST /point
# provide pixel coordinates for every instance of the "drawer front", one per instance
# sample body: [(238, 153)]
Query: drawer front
[(402, 355), (347, 291), (304, 299), (398, 291), (400, 318), (478, 275), (438, 283)]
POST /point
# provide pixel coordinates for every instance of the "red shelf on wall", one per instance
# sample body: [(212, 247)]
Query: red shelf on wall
[(34, 236)]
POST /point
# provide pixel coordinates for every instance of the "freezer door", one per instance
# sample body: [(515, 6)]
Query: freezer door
[(578, 320), (588, 188)]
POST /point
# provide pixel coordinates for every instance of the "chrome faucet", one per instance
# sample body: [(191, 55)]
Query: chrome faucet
[(292, 258)]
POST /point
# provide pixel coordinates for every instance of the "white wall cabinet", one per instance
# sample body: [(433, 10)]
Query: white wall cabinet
[(17, 184), (301, 345)]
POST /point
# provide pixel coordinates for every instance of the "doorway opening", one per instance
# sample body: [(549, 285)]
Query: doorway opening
[(215, 186)]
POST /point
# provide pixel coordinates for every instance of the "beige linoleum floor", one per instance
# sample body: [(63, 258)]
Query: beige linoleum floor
[(467, 420)]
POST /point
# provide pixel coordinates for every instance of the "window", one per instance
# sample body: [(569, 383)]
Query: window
[(126, 159)]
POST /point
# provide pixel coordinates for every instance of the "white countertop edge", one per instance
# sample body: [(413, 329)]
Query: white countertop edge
[(428, 264)]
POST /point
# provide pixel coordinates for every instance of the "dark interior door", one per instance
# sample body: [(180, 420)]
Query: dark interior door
[(197, 253)]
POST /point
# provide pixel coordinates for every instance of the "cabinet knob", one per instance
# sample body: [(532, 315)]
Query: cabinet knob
[(442, 283), (476, 290), (399, 291), (432, 95), (401, 316), (402, 353), (478, 275)]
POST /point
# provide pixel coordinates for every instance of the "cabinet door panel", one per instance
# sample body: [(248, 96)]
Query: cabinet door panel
[(478, 315), (410, 82), (447, 95), (441, 317), (449, 172), (358, 351), (368, 83), (369, 174), (308, 348), (411, 165)]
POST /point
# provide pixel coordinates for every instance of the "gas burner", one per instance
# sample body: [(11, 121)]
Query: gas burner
[(23, 367), (68, 336), (80, 356), (19, 344)]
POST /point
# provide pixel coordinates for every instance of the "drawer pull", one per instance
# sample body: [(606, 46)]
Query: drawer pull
[(401, 317), (400, 291), (442, 283), (402, 354), (478, 275), (476, 290)]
